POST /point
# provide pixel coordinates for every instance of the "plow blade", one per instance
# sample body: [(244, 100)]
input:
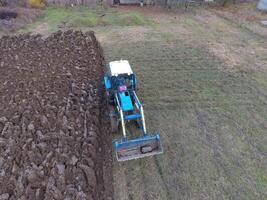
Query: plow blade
[(138, 148)]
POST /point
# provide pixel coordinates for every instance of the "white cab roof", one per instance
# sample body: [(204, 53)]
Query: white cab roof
[(120, 67)]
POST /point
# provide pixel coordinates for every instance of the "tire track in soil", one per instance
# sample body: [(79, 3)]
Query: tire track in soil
[(145, 195), (168, 195), (128, 172), (134, 132), (122, 192), (146, 169)]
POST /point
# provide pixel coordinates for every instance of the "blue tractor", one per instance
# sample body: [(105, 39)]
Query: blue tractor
[(120, 83)]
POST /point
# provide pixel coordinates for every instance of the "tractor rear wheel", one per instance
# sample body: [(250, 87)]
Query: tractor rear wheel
[(114, 122)]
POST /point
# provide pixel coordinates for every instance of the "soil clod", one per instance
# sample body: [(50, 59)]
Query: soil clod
[(52, 118)]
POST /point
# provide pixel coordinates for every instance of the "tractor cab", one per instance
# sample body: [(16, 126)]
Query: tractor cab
[(121, 76), (121, 80)]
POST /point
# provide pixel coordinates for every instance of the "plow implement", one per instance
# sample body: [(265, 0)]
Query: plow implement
[(138, 148)]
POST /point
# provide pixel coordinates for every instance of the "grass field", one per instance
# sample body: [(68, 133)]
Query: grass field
[(203, 81), (54, 18)]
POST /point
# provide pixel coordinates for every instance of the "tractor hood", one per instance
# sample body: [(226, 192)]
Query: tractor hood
[(126, 102)]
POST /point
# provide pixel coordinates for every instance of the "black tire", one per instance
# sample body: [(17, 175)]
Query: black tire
[(138, 123), (114, 124)]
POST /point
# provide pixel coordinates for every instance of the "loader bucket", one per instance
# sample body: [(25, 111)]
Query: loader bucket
[(138, 148)]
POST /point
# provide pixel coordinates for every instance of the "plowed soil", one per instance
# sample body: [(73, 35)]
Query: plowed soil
[(54, 140)]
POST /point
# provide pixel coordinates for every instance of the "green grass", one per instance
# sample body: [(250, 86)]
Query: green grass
[(262, 179), (54, 16), (51, 16), (125, 19), (71, 17), (83, 17), (213, 144), (260, 78)]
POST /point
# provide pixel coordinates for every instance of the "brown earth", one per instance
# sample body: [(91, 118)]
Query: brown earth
[(54, 140)]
